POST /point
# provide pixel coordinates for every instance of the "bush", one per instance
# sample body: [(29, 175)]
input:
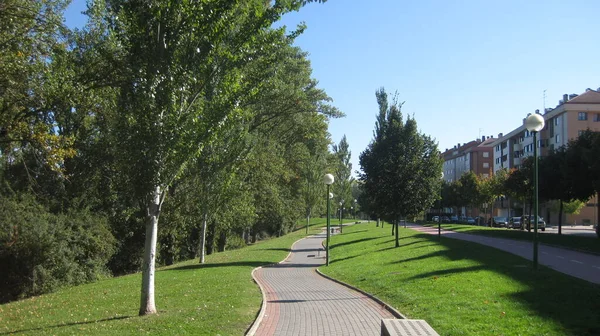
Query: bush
[(41, 252)]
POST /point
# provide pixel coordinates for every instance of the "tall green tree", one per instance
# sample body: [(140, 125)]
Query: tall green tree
[(469, 191), (343, 173), (401, 167), (181, 82), (583, 160)]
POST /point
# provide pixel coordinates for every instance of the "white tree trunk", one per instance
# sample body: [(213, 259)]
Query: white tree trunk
[(203, 239), (147, 305)]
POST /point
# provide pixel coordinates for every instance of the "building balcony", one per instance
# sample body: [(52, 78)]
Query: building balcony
[(517, 147)]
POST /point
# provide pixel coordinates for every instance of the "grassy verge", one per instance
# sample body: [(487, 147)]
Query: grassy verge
[(584, 244), (463, 288), (218, 297)]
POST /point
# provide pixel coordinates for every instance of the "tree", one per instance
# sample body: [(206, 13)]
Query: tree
[(31, 36), (401, 167), (492, 187), (343, 172), (557, 182), (181, 83), (468, 190)]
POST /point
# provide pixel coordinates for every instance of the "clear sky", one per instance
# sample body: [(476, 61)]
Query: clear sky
[(464, 68)]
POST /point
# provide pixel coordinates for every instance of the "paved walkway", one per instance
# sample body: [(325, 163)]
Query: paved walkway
[(581, 265), (301, 302)]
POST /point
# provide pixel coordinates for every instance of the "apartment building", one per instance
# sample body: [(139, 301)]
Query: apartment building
[(573, 115), (475, 156)]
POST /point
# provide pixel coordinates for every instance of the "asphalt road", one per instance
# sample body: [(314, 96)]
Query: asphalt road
[(581, 265)]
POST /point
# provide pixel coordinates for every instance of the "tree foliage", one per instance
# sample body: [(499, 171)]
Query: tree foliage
[(201, 103), (401, 167)]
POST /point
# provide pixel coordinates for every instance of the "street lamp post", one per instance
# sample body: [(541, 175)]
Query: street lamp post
[(535, 123), (328, 180), (355, 208), (441, 207), (341, 214)]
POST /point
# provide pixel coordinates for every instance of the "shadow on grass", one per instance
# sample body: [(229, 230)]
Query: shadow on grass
[(448, 271), (66, 325), (272, 249), (572, 302), (353, 242), (349, 233), (252, 264), (345, 258)]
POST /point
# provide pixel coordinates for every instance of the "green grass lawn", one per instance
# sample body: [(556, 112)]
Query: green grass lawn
[(463, 288), (584, 244), (218, 297)]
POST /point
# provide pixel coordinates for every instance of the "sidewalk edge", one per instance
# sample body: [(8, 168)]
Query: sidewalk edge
[(263, 306), (386, 306)]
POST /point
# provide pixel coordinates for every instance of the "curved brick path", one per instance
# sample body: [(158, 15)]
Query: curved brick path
[(301, 302)]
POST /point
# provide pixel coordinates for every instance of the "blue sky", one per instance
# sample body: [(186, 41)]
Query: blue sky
[(464, 68)]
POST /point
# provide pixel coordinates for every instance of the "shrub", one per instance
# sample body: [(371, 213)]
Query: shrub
[(41, 251)]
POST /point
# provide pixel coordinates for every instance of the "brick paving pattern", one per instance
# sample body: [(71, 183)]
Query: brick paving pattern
[(301, 302)]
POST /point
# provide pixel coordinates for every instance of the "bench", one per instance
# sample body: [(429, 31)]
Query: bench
[(394, 327)]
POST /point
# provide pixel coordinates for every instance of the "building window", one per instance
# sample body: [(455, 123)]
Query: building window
[(582, 116), (557, 138), (486, 165), (556, 121), (596, 117), (486, 154)]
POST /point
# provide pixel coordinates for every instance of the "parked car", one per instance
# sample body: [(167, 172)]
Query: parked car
[(435, 219), (479, 220), (454, 219), (529, 219), (597, 230), (514, 223), (445, 219), (499, 221), (471, 220)]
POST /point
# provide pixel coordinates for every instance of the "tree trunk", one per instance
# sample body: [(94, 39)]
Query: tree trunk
[(147, 305), (560, 214), (203, 239), (222, 241), (307, 220), (247, 236), (396, 225), (529, 216), (210, 237), (598, 214), (393, 229)]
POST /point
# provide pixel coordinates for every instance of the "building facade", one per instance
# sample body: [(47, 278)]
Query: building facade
[(573, 115), (475, 156)]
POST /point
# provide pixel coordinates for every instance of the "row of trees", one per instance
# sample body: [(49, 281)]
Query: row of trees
[(568, 177), (198, 113)]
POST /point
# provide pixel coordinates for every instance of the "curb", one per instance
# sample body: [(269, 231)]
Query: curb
[(386, 306), (263, 306)]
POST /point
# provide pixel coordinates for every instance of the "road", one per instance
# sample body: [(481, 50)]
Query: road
[(577, 230), (581, 265)]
